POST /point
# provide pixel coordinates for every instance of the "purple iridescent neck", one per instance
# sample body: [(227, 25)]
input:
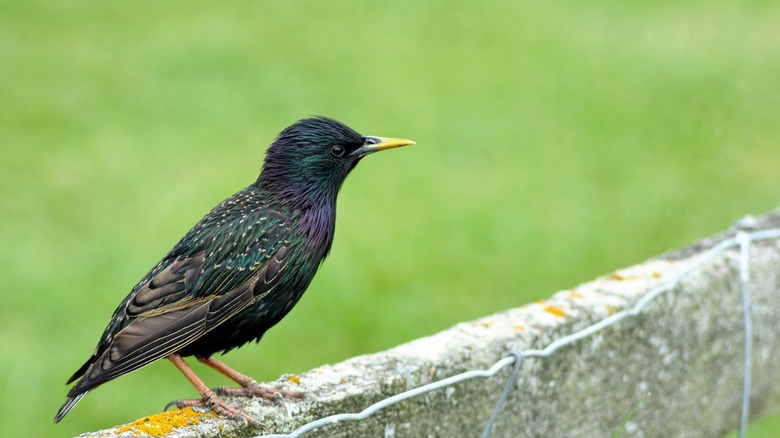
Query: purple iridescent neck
[(314, 211), (319, 223)]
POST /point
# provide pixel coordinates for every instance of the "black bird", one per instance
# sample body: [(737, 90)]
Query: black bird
[(238, 271)]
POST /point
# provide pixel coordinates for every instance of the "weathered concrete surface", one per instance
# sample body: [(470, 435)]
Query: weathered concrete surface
[(683, 355)]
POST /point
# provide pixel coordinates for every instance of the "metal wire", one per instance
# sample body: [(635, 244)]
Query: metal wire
[(365, 413), (742, 240), (518, 355)]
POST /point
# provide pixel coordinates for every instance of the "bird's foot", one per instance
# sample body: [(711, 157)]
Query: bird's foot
[(219, 406), (254, 389)]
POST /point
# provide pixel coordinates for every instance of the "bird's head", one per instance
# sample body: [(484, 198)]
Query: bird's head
[(310, 159)]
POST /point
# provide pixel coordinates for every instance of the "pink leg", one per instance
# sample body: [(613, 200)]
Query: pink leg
[(249, 388), (209, 398)]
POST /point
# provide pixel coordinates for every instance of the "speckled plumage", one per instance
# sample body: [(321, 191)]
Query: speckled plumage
[(243, 266)]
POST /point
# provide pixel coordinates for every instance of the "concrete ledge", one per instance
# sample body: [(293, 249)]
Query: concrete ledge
[(682, 355)]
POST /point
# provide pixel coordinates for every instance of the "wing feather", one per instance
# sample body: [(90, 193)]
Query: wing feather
[(190, 293), (148, 339)]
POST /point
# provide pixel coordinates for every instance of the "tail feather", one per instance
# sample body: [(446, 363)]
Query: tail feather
[(81, 371), (68, 405)]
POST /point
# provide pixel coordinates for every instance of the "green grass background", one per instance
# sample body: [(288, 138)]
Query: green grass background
[(557, 141)]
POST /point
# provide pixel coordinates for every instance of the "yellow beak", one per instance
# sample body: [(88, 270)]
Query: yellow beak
[(375, 144)]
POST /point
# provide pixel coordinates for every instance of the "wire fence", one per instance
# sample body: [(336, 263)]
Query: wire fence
[(742, 240)]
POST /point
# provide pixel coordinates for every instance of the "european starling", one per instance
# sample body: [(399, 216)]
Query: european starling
[(238, 271)]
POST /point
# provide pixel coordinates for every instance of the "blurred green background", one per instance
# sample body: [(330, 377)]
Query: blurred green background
[(557, 141)]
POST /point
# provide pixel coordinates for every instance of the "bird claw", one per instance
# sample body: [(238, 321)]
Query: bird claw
[(270, 393), (218, 406), (175, 403)]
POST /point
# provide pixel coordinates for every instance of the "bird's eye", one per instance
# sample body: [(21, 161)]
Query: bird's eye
[(337, 151)]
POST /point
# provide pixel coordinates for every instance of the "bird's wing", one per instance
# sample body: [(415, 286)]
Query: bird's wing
[(184, 298), (220, 259)]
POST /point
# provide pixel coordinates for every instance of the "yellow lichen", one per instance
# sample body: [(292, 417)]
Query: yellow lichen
[(576, 295), (555, 311), (163, 423), (294, 379), (518, 327), (622, 277)]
